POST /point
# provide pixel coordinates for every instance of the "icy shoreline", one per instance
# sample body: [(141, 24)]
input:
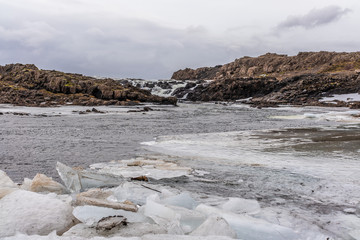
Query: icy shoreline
[(137, 207), (303, 181), (41, 206)]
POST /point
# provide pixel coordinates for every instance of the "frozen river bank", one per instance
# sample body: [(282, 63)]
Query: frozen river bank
[(299, 164)]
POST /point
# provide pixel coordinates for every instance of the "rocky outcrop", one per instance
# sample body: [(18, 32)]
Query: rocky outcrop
[(273, 79), (27, 85), (196, 74), (275, 65), (298, 90)]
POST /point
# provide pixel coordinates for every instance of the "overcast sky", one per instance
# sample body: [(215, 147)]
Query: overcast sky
[(153, 38)]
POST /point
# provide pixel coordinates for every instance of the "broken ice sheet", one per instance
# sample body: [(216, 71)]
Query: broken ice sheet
[(214, 226), (133, 192), (250, 228), (176, 219), (189, 219), (115, 173), (69, 176), (77, 180), (181, 200), (155, 169)]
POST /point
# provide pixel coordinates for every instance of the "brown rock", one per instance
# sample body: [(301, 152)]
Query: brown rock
[(27, 85), (275, 65)]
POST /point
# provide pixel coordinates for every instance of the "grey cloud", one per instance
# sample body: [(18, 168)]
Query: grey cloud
[(314, 18), (124, 48)]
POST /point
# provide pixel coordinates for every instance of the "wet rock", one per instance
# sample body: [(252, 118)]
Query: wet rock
[(140, 178), (21, 114), (111, 222), (145, 109), (96, 111)]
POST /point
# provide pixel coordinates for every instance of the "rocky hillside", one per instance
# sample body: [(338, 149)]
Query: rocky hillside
[(27, 85), (305, 89), (273, 79), (275, 65)]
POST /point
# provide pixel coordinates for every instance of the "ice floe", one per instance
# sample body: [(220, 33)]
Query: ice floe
[(33, 213), (116, 173), (155, 169)]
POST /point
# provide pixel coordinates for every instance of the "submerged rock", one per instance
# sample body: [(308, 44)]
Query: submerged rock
[(32, 213)]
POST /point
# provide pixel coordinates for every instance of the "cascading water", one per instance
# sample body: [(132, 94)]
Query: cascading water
[(165, 88)]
